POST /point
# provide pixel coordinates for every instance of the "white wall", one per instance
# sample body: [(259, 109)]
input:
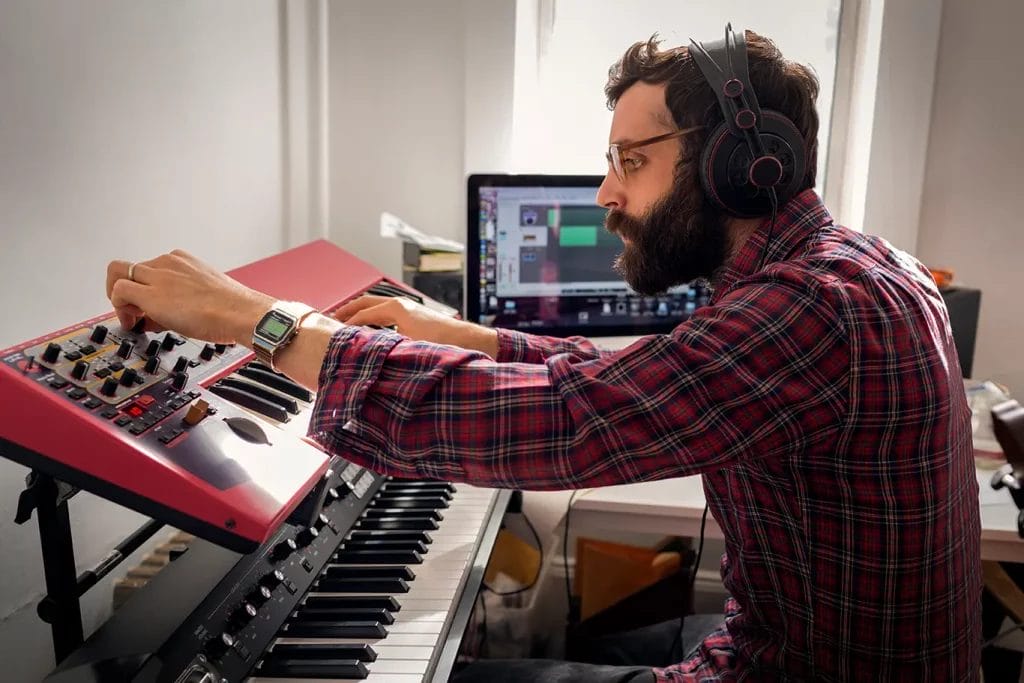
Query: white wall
[(970, 218), (127, 129)]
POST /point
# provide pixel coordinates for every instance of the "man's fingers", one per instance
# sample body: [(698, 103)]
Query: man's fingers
[(356, 305), (372, 316), (115, 271)]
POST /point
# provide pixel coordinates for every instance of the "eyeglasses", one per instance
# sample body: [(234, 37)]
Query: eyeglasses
[(615, 150)]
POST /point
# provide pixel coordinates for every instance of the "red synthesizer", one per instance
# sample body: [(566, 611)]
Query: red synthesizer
[(163, 424)]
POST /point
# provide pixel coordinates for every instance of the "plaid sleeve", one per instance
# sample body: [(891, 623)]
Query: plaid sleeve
[(517, 347), (762, 371)]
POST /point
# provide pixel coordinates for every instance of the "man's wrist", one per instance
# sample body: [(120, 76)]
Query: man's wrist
[(247, 315)]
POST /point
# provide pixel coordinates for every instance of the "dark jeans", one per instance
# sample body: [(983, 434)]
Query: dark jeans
[(620, 658)]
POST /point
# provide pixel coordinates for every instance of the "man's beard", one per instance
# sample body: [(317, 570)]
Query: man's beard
[(680, 239)]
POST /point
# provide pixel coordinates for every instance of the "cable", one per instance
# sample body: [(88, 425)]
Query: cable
[(774, 198), (536, 577), (693, 581), (565, 557)]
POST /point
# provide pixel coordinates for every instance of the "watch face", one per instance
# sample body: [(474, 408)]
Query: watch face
[(275, 326)]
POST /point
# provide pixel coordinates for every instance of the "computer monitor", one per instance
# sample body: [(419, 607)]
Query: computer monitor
[(539, 259)]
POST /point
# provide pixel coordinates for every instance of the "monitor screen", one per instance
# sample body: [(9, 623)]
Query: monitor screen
[(539, 259)]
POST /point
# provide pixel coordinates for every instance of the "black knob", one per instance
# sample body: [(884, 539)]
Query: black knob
[(207, 352), (128, 377), (217, 646), (99, 334), (179, 380), (284, 549), (306, 536), (168, 342), (321, 521), (80, 370), (332, 496), (153, 364), (52, 352), (180, 364), (125, 349), (241, 616), (109, 387), (220, 348), (259, 596), (153, 348), (273, 579)]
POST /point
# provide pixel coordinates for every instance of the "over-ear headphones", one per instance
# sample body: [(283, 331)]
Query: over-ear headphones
[(756, 159)]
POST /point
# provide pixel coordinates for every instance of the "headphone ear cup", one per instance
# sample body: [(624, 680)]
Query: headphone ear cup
[(726, 160)]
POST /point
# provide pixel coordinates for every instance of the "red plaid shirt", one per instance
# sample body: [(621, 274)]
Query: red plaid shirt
[(819, 395)]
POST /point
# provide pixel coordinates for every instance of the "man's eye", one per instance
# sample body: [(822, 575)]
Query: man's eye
[(632, 163)]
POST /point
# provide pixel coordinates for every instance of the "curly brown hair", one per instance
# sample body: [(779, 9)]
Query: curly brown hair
[(787, 87)]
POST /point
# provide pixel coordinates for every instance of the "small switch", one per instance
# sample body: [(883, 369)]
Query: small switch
[(125, 349), (80, 370), (109, 387), (181, 364), (179, 380), (196, 412), (128, 377), (207, 352), (52, 352), (169, 342), (99, 334), (153, 364)]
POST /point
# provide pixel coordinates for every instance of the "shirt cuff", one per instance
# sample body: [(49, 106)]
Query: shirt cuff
[(351, 365), (513, 347)]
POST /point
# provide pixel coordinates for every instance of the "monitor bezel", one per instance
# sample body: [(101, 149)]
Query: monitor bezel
[(471, 277)]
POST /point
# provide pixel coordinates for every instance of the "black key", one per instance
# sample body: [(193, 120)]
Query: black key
[(279, 382), (410, 503), (378, 513), (357, 585), (91, 403), (254, 403), (256, 365), (385, 602), (388, 289), (421, 484), (288, 404), (408, 524), (428, 498), (333, 629), (77, 393), (109, 413), (380, 557), (343, 614), (369, 572), (383, 544), (58, 382), (364, 653), (288, 667), (421, 536)]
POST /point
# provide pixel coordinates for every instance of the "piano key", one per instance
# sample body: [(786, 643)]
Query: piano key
[(288, 403), (344, 614), (421, 536), (333, 570), (383, 602), (311, 668), (351, 584), (414, 503), (382, 544), (382, 557), (250, 401), (392, 639), (398, 523), (334, 629), (398, 513), (361, 651), (279, 382)]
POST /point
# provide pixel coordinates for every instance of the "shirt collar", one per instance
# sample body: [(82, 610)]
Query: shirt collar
[(796, 220)]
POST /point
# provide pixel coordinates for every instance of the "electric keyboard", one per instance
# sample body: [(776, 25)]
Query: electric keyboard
[(306, 566)]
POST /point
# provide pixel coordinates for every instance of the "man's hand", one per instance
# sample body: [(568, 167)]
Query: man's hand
[(178, 291), (418, 322)]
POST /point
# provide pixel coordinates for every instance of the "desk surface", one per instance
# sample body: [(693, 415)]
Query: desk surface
[(675, 506)]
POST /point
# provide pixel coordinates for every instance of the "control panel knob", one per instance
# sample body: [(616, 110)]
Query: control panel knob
[(331, 496), (217, 646), (283, 549), (220, 348), (52, 352), (273, 579), (125, 349), (109, 387), (207, 352), (128, 377), (80, 370), (321, 521), (306, 536), (259, 596), (245, 613), (99, 334), (180, 364), (153, 364), (179, 380), (169, 342)]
